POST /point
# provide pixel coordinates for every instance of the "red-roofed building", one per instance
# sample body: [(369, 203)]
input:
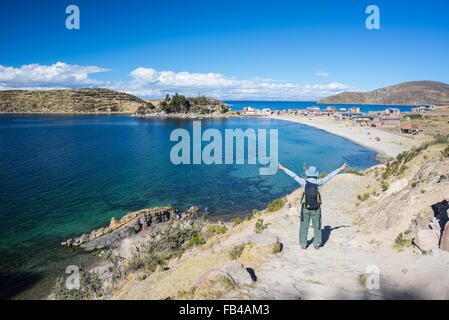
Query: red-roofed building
[(413, 129)]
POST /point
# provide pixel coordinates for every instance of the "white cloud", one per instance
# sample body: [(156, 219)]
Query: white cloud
[(321, 74), (150, 83), (58, 75)]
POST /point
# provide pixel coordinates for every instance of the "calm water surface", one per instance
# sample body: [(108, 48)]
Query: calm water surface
[(61, 176)]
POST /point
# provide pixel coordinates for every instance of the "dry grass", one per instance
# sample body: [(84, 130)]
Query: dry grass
[(433, 123)]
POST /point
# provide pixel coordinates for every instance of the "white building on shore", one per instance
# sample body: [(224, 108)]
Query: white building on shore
[(423, 108), (250, 111)]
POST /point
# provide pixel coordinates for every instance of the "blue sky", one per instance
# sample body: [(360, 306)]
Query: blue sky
[(228, 49)]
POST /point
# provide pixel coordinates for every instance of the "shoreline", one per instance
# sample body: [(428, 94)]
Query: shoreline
[(356, 137), (389, 147)]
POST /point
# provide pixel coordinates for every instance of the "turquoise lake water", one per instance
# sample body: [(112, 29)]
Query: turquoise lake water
[(281, 105), (61, 176)]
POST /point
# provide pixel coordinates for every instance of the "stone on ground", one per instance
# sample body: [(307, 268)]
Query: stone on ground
[(427, 240), (233, 270)]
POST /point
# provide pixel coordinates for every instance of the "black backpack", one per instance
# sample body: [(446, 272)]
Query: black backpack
[(311, 197)]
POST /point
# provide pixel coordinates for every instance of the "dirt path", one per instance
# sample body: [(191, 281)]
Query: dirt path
[(333, 271)]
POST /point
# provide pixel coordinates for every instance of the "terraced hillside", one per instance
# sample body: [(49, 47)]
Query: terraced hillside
[(69, 101)]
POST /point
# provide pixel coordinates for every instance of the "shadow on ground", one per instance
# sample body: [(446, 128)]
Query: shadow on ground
[(14, 283), (325, 234), (386, 294)]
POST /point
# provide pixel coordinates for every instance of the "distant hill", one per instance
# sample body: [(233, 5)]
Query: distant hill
[(406, 93), (69, 101)]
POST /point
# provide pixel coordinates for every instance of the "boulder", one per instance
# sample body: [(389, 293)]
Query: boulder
[(427, 240), (444, 243), (238, 273), (208, 276), (233, 270)]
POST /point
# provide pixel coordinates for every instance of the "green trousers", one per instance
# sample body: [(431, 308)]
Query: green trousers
[(306, 216)]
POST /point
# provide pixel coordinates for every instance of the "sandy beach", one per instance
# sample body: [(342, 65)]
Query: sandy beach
[(390, 145)]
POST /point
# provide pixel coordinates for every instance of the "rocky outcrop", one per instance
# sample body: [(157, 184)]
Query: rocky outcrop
[(118, 230), (180, 107), (408, 196)]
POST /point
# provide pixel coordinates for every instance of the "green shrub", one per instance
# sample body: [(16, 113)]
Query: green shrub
[(276, 247), (236, 251), (260, 226), (215, 229), (440, 138), (196, 241), (236, 221), (168, 242), (362, 280), (423, 191), (158, 260), (384, 186), (276, 205), (415, 116), (224, 109), (363, 197), (414, 184), (90, 288), (353, 171), (401, 242), (401, 156), (386, 173)]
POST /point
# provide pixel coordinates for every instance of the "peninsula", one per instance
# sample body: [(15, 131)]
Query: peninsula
[(100, 101)]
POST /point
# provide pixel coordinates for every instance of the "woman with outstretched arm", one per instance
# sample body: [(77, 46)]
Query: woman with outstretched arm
[(311, 202)]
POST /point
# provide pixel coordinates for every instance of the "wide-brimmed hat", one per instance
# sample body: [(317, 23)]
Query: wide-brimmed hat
[(312, 172)]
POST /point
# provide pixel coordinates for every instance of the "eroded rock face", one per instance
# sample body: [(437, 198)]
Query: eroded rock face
[(118, 230), (444, 243), (403, 200), (427, 240)]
